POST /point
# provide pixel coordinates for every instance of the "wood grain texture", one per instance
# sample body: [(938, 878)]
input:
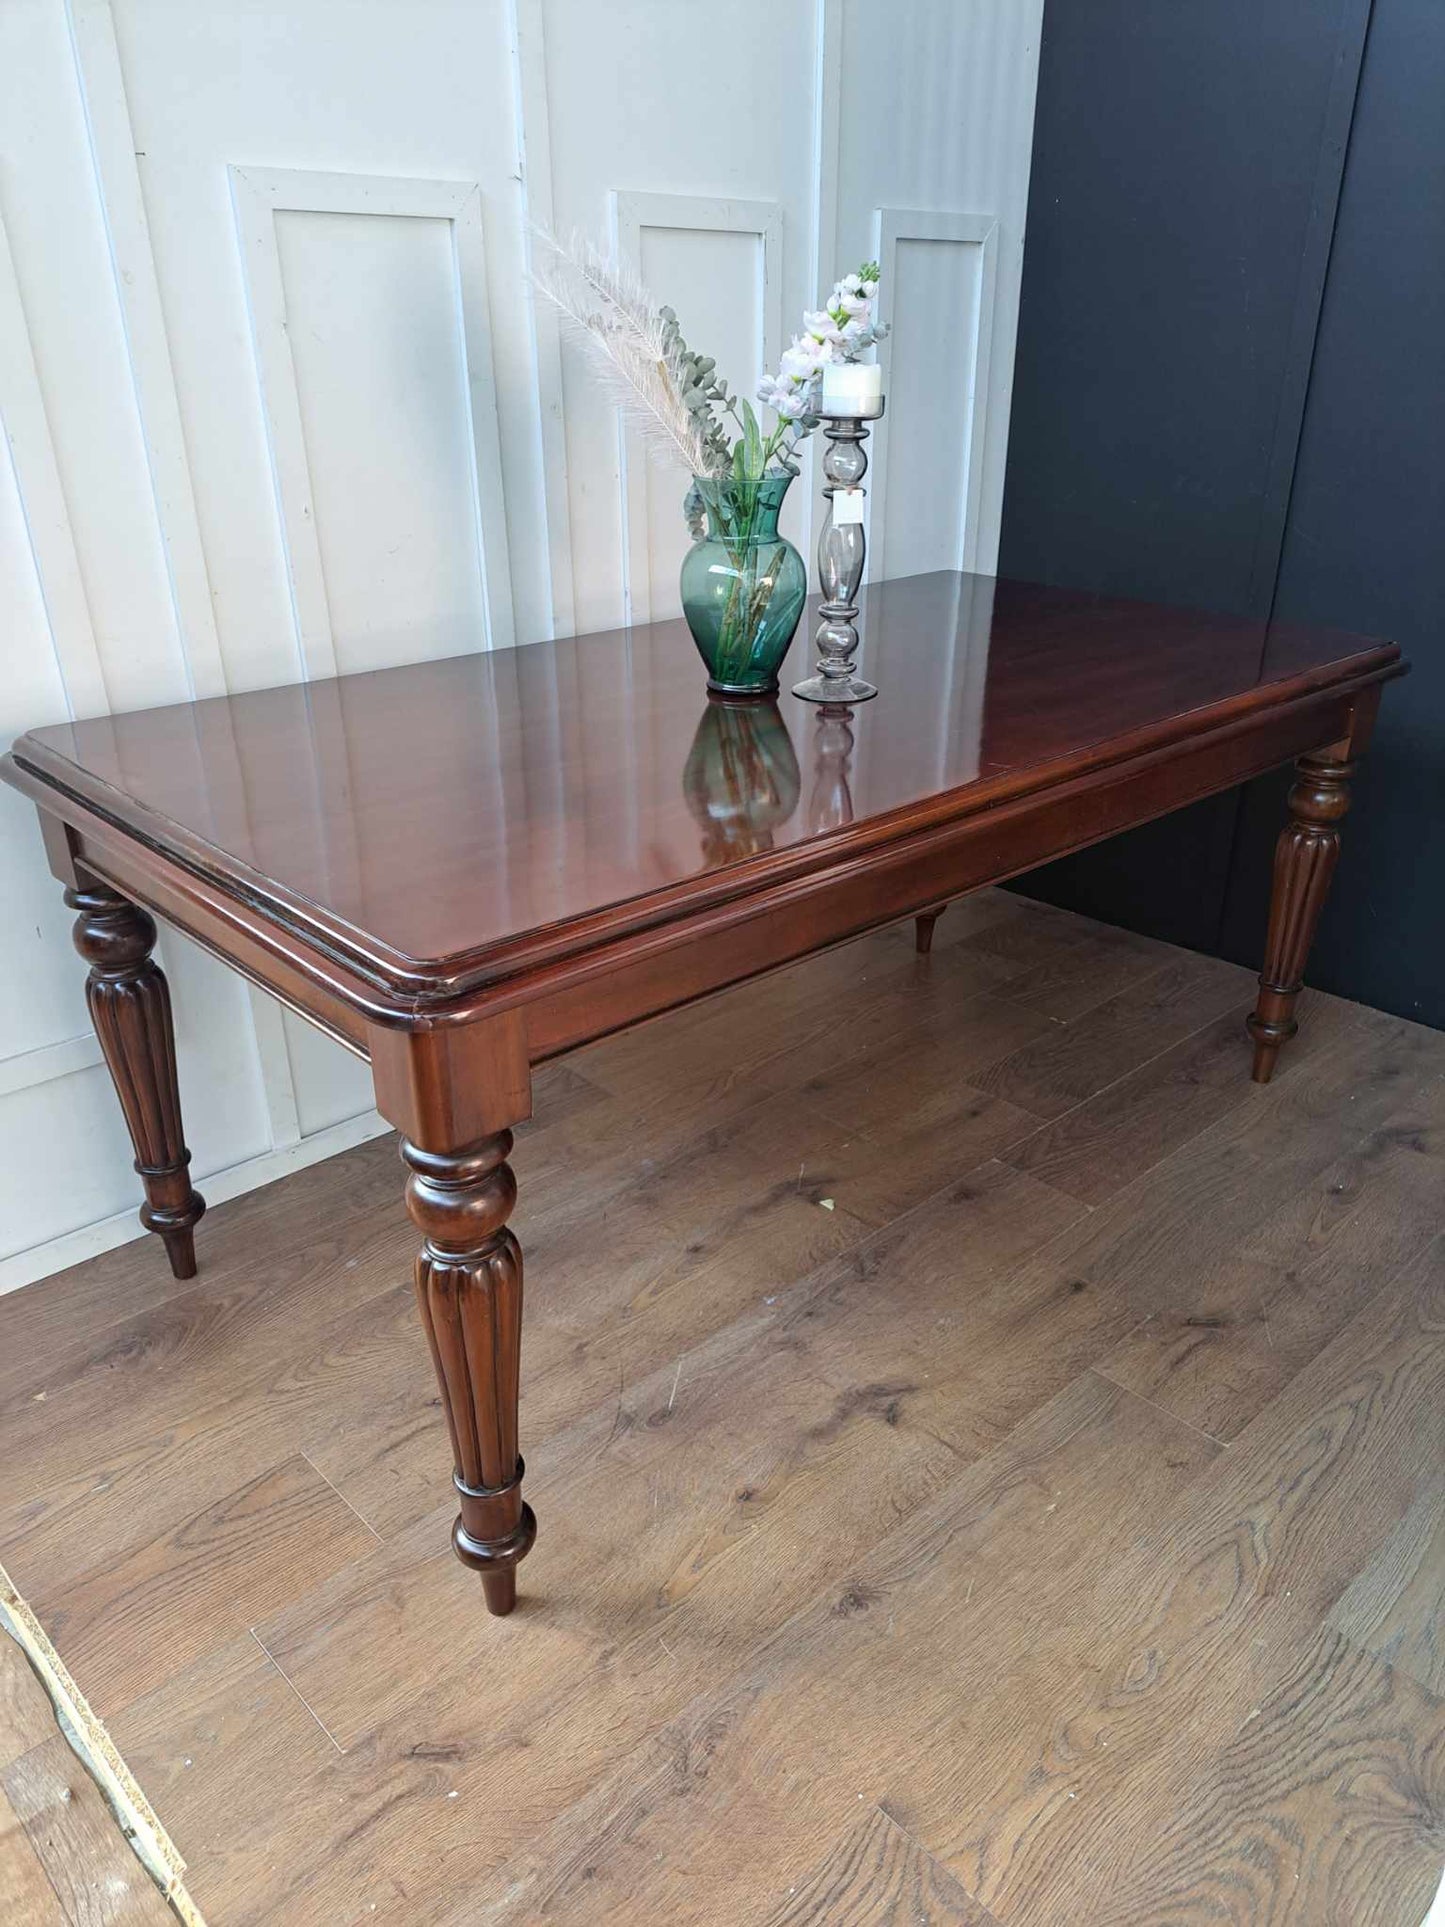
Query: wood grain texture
[(1395, 1607), (1208, 1613), (1059, 970), (206, 1747), (134, 1620), (1096, 1147), (26, 1718), (1072, 1061), (165, 1415), (903, 1639), (913, 1498), (27, 1898), (876, 1876), (1332, 1240), (1327, 1805), (830, 1404), (87, 1862), (103, 1293)]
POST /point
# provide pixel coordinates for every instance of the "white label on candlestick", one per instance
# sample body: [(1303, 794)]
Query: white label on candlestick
[(848, 506)]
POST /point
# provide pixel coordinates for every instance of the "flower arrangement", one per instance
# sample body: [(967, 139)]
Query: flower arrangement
[(675, 396), (743, 583), (842, 330)]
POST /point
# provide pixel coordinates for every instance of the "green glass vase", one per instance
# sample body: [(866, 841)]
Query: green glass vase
[(743, 584)]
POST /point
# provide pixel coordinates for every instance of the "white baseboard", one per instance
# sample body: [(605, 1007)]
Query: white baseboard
[(39, 1261)]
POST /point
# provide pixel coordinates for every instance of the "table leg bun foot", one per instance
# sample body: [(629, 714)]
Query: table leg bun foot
[(1266, 1056), (180, 1244), (499, 1590), (923, 929), (173, 1210), (496, 1560), (1269, 1036)]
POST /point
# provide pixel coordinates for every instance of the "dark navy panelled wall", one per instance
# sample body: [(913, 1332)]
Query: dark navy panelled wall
[(1230, 390)]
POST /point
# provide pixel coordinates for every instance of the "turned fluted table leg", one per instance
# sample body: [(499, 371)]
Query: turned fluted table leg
[(1304, 862), (469, 1287), (130, 1007)]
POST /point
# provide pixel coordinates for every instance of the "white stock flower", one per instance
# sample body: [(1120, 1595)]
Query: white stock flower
[(821, 325), (840, 331), (804, 358)]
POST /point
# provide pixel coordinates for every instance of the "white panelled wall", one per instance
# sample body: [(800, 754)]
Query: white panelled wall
[(277, 403)]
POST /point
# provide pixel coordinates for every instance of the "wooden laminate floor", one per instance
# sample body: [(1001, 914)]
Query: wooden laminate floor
[(992, 1474)]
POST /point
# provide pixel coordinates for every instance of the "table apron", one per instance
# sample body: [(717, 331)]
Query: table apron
[(571, 1004), (672, 963)]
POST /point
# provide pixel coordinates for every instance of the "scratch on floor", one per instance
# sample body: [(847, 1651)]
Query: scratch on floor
[(343, 1498), (617, 1415), (96, 1751), (273, 1661)]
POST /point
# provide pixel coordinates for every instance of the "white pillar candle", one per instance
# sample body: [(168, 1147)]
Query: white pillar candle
[(852, 388)]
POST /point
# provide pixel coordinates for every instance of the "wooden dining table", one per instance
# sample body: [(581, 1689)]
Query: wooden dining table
[(462, 868)]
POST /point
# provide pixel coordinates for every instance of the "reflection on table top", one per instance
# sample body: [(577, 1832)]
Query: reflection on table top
[(448, 805)]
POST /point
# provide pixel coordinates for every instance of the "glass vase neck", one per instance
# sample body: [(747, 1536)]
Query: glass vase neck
[(743, 511)]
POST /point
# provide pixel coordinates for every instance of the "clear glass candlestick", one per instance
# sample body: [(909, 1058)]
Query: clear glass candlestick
[(842, 551)]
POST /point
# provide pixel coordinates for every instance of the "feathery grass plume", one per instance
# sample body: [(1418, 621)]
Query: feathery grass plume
[(636, 346)]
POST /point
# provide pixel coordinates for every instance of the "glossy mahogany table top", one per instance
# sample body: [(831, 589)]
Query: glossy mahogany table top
[(450, 810)]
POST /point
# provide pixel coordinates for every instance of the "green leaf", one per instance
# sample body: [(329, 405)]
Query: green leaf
[(752, 442)]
